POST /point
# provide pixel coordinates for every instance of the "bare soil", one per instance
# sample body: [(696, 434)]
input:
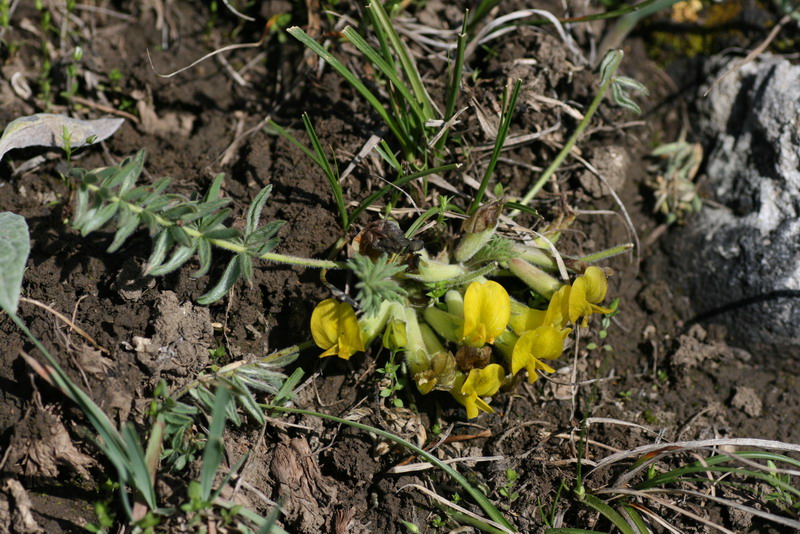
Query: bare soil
[(681, 383)]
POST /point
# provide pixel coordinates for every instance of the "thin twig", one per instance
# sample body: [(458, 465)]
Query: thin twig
[(754, 53), (68, 322)]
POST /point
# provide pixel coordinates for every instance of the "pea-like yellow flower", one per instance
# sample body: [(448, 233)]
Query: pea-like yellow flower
[(335, 328), (524, 318), (587, 292), (543, 343), (480, 383), (581, 299), (487, 309)]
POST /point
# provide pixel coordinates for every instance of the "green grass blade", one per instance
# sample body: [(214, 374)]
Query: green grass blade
[(571, 531), (292, 139), (476, 494), (559, 159), (330, 173), (351, 78), (140, 476), (386, 69), (382, 21), (454, 89), (636, 518), (401, 181), (608, 512), (214, 449), (502, 134)]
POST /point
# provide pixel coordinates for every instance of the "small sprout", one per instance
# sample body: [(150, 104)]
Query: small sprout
[(507, 491)]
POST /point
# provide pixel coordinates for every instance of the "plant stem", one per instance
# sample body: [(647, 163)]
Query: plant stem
[(479, 497), (230, 245), (573, 138), (231, 368)]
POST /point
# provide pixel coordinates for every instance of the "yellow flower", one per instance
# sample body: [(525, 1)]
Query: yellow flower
[(524, 318), (587, 292), (487, 308), (543, 343), (335, 328), (570, 303), (480, 383)]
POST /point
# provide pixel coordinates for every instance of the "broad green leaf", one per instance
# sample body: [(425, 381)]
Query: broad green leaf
[(14, 248)]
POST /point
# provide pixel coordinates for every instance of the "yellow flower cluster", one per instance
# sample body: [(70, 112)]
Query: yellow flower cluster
[(483, 317)]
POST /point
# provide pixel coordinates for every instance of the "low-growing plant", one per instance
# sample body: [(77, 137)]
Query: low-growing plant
[(135, 460)]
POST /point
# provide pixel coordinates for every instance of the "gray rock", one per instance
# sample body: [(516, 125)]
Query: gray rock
[(740, 262)]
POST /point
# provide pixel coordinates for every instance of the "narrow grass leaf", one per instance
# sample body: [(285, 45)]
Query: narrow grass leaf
[(213, 451), (502, 134), (386, 69), (139, 475), (475, 493), (351, 78), (292, 139), (608, 512), (381, 19), (399, 182), (330, 173), (635, 518)]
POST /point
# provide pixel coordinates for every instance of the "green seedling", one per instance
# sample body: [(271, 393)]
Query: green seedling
[(507, 490), (392, 382), (605, 323)]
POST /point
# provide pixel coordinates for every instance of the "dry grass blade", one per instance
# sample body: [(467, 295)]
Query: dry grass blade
[(205, 57), (626, 216), (456, 507), (691, 445), (68, 322), (422, 466), (494, 29), (666, 504)]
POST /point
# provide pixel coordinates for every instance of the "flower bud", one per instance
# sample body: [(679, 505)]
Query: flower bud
[(478, 229), (443, 323), (535, 255), (416, 353), (535, 278), (432, 271), (394, 337)]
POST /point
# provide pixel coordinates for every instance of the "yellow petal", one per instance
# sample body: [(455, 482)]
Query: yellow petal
[(349, 339), (557, 313), (596, 285), (487, 309), (484, 382), (325, 324), (543, 343), (524, 318), (578, 306)]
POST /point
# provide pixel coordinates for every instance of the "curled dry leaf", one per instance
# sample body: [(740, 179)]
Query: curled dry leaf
[(47, 129)]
